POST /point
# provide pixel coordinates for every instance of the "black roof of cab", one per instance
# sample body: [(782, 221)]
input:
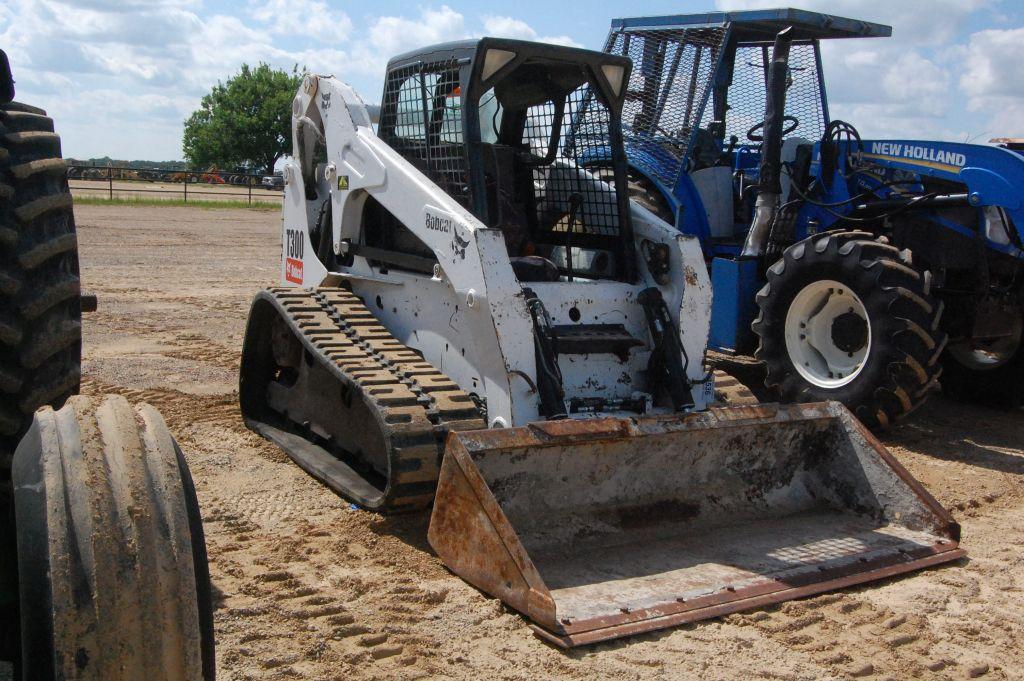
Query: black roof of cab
[(468, 49), (763, 24), (470, 55)]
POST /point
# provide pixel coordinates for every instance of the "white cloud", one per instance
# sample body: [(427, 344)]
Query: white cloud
[(122, 75), (303, 18), (992, 79), (917, 84), (906, 85), (508, 27), (991, 64), (389, 36)]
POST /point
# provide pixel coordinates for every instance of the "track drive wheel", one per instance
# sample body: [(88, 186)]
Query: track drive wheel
[(40, 308), (991, 373), (112, 562), (845, 316)]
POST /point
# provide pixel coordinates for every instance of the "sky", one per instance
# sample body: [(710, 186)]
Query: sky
[(121, 76)]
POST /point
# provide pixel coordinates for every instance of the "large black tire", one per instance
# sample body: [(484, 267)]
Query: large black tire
[(40, 308), (1000, 385), (901, 365), (112, 561)]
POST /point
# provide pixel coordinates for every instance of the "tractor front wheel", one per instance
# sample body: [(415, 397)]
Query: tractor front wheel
[(113, 574), (847, 317)]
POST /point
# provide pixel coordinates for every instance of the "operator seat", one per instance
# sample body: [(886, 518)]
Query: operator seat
[(511, 212)]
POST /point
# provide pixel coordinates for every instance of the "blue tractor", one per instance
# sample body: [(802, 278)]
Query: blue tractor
[(855, 270)]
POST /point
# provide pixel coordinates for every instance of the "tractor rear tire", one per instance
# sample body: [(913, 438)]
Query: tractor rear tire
[(997, 383), (112, 562), (40, 307), (847, 317)]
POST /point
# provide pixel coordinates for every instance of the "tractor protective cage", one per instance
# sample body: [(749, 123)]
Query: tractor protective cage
[(682, 82)]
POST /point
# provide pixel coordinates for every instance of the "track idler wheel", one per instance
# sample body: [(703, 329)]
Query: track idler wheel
[(113, 577)]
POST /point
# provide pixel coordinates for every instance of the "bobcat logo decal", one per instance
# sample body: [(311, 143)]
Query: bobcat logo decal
[(459, 244)]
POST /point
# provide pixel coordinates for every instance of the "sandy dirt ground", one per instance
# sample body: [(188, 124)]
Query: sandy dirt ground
[(307, 587)]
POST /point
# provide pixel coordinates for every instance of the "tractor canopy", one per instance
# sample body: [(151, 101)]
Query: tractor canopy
[(699, 82), (764, 24)]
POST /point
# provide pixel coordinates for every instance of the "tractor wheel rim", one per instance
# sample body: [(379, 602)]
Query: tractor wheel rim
[(985, 356), (828, 334)]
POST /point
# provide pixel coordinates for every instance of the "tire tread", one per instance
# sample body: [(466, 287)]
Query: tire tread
[(902, 309), (40, 314)]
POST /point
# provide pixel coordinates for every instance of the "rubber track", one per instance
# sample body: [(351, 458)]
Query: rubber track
[(421, 402), (730, 392)]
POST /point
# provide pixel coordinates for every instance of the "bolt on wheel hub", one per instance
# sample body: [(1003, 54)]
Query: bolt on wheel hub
[(828, 334), (849, 332)]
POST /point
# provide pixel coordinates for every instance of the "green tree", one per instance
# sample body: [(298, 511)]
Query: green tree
[(245, 121)]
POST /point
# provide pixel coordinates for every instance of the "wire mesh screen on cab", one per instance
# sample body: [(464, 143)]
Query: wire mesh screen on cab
[(747, 94), (667, 117), (577, 207), (421, 118), (671, 78)]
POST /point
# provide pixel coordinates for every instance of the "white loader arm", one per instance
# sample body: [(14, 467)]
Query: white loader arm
[(330, 112)]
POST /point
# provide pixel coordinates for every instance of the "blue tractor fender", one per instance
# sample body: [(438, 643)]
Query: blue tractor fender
[(994, 176), (683, 199)]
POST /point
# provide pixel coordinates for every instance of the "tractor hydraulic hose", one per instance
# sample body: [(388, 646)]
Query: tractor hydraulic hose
[(769, 183), (900, 207), (549, 375), (669, 362), (929, 201)]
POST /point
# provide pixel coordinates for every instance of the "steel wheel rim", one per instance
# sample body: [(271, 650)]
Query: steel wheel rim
[(810, 339), (993, 354)]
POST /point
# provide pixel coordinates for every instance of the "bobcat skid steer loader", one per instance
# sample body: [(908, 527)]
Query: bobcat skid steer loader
[(468, 317)]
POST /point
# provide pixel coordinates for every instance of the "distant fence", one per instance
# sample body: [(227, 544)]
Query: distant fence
[(199, 185)]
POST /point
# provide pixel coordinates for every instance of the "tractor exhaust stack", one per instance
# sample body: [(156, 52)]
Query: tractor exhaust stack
[(769, 180)]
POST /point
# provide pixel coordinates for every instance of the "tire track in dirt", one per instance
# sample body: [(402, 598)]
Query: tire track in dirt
[(290, 610), (851, 637), (179, 409), (196, 348)]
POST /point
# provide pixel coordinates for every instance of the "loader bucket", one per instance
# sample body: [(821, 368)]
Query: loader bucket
[(602, 528)]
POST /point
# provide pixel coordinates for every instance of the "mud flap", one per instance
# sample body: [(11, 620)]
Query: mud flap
[(602, 528), (111, 556)]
